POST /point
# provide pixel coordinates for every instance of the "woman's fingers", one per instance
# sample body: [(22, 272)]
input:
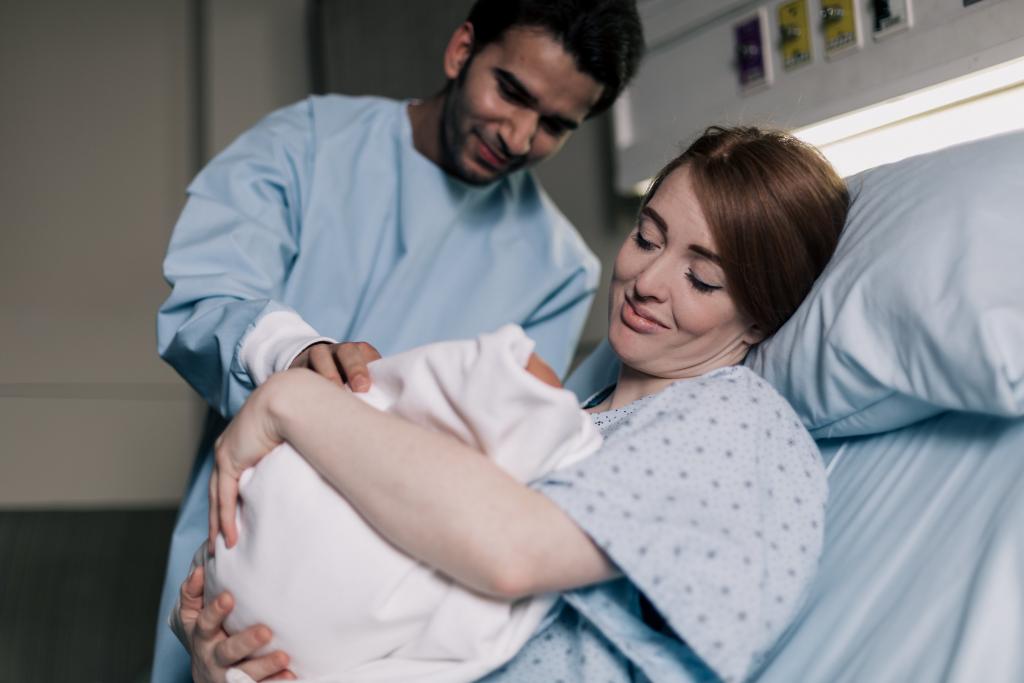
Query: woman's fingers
[(227, 499), (262, 668), (192, 587), (241, 646), (286, 675), (214, 510), (211, 619)]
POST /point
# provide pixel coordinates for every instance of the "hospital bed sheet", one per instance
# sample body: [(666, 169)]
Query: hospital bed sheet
[(922, 578)]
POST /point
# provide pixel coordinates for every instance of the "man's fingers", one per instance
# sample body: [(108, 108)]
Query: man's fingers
[(370, 353), (241, 646), (211, 619), (227, 498), (352, 358), (260, 668), (321, 360)]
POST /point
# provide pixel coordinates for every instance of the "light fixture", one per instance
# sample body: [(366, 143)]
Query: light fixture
[(978, 105)]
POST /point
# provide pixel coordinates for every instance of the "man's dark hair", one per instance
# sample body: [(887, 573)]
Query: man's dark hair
[(603, 36)]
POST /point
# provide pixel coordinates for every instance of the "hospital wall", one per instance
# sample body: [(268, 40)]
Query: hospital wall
[(109, 108), (691, 74), (100, 131)]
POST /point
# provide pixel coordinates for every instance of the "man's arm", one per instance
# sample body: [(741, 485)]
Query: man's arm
[(557, 323), (228, 259)]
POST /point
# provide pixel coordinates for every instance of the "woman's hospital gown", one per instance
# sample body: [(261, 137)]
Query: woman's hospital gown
[(709, 496)]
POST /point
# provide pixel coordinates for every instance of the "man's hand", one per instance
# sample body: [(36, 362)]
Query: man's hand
[(342, 363), (201, 630), (542, 371)]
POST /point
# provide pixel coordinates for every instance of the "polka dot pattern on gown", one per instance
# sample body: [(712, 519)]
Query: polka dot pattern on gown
[(709, 496)]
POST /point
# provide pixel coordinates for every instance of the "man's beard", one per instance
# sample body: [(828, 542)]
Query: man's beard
[(454, 138)]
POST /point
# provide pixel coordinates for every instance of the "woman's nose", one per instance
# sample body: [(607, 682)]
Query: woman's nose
[(651, 283)]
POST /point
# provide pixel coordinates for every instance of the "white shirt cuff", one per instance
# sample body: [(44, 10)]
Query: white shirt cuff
[(274, 342)]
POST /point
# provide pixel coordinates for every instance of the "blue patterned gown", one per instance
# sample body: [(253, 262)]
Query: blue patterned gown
[(709, 496)]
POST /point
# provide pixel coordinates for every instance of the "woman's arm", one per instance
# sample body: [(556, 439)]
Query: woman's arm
[(432, 496)]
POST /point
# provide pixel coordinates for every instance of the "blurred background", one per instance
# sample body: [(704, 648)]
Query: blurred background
[(109, 107)]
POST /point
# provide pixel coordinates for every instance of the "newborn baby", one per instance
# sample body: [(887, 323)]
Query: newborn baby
[(341, 601)]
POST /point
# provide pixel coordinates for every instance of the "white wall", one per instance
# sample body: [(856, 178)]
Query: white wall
[(689, 80), (98, 135)]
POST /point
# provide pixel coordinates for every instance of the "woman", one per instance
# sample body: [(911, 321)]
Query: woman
[(683, 547)]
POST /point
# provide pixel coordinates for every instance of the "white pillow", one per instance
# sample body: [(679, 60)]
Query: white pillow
[(922, 307)]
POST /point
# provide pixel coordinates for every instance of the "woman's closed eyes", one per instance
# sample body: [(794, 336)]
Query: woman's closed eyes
[(696, 282)]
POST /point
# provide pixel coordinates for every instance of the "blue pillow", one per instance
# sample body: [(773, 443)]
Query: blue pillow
[(922, 307)]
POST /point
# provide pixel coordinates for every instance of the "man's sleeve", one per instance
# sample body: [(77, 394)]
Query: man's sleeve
[(557, 323), (229, 258)]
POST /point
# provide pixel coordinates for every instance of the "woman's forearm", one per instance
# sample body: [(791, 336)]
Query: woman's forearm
[(434, 497)]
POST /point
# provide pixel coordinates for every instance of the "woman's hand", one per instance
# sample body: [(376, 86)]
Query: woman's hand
[(201, 630), (251, 435)]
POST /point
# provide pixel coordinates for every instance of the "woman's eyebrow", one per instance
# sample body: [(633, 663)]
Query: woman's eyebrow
[(698, 249), (706, 253), (655, 218)]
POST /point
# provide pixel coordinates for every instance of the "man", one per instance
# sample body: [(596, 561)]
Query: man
[(401, 223)]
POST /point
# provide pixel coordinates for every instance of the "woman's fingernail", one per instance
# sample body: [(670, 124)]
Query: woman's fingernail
[(360, 383)]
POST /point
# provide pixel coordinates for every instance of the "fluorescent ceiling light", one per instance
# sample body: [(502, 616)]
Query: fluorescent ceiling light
[(975, 106), (973, 85), (971, 120)]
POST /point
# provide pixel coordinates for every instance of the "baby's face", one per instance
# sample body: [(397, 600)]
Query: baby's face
[(542, 371)]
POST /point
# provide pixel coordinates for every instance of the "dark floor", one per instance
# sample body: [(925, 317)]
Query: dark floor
[(79, 592)]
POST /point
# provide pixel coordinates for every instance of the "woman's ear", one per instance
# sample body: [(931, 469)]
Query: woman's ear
[(459, 50), (753, 335)]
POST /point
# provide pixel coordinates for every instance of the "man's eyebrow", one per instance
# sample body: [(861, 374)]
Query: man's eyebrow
[(529, 99)]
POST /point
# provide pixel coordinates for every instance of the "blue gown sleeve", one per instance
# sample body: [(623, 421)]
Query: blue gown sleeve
[(557, 324), (231, 252), (710, 500)]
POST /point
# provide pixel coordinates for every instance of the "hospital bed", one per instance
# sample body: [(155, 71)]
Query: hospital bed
[(906, 362)]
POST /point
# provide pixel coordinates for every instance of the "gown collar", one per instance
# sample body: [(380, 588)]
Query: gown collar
[(430, 200)]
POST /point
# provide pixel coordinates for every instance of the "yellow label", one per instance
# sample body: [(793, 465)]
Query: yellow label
[(840, 26), (795, 34)]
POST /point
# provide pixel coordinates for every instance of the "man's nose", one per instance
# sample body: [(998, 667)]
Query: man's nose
[(518, 136)]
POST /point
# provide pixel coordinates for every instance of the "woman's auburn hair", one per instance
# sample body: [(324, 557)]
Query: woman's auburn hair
[(775, 208)]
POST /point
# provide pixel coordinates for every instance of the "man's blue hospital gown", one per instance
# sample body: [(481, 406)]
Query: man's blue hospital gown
[(325, 209), (709, 496)]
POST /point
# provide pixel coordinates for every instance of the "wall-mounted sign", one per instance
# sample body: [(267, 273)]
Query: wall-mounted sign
[(794, 34)]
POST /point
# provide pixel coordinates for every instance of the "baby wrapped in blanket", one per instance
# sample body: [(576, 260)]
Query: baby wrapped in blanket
[(341, 601)]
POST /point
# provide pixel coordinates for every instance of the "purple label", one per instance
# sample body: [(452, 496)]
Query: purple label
[(750, 51)]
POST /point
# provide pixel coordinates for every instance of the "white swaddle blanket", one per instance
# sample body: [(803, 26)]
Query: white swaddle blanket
[(341, 601)]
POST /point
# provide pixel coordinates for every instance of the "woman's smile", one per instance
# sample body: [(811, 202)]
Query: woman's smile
[(639, 319)]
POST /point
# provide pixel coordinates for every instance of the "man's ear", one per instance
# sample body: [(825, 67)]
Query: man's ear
[(459, 50)]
